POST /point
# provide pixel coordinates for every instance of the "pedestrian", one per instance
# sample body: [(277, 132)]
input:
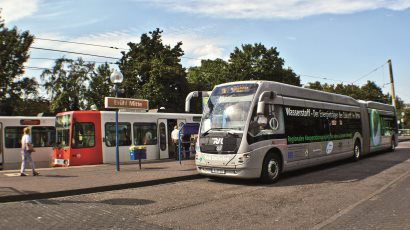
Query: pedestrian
[(174, 137), (26, 150)]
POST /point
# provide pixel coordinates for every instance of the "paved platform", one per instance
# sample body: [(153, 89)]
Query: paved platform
[(74, 180)]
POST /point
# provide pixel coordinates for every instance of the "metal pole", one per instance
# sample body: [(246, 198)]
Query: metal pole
[(393, 97), (117, 155), (179, 145)]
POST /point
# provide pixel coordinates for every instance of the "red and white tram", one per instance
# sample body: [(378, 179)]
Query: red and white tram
[(88, 137)]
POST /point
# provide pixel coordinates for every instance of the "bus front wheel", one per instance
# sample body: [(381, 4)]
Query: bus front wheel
[(271, 169)]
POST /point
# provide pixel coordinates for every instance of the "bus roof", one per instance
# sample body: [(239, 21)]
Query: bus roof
[(377, 105), (300, 92)]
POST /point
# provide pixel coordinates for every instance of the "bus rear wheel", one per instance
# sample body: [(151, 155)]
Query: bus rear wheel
[(271, 169), (392, 145), (357, 151)]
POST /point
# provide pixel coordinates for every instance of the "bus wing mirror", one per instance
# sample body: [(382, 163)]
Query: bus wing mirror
[(261, 108), (263, 98)]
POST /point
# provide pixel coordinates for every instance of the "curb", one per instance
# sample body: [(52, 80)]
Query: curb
[(73, 192)]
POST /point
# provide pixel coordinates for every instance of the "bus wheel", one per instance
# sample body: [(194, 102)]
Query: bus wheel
[(356, 151), (392, 145), (271, 169)]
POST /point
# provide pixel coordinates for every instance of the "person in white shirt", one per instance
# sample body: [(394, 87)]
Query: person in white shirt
[(26, 153), (174, 137)]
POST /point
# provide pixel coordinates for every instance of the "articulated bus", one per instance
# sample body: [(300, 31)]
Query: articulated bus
[(260, 129), (89, 137), (42, 135)]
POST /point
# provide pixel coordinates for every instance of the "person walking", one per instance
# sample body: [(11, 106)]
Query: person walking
[(26, 149)]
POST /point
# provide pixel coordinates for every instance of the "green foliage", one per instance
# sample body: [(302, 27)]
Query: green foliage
[(209, 74), (250, 62), (403, 115), (67, 84), (14, 46), (99, 87), (256, 62), (32, 107), (153, 71)]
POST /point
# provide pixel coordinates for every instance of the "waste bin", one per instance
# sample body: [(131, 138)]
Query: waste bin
[(138, 152)]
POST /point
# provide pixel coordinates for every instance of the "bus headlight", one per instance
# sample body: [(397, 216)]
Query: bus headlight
[(243, 157)]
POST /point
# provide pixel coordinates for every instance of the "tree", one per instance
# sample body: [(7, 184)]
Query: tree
[(67, 83), (208, 74), (403, 115), (99, 87), (14, 46), (371, 92), (256, 62), (153, 71)]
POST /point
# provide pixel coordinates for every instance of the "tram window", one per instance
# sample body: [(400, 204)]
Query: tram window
[(145, 133), (162, 137), (62, 137), (43, 136), (83, 135), (13, 137), (124, 134)]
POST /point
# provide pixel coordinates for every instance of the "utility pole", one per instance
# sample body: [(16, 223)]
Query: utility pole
[(393, 97)]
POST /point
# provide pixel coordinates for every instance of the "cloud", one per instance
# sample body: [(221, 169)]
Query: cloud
[(196, 46), (276, 9), (13, 10)]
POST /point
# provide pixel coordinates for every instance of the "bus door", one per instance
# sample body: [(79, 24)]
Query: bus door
[(163, 139), (1, 147)]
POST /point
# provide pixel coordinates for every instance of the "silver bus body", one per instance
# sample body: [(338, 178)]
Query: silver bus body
[(298, 127)]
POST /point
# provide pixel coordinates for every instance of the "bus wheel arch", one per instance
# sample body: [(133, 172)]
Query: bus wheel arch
[(271, 167)]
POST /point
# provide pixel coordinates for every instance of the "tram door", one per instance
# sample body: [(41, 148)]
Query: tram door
[(165, 127), (163, 139), (1, 147)]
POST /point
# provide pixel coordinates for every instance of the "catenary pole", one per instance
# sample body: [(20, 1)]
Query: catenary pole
[(393, 96)]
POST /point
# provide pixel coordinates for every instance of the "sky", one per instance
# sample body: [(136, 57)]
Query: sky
[(331, 41)]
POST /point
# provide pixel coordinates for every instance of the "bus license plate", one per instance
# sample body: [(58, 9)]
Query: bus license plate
[(218, 171)]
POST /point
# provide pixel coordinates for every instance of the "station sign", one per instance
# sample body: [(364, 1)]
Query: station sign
[(128, 103)]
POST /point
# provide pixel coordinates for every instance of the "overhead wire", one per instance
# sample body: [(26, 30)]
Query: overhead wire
[(98, 45), (374, 70), (54, 59), (323, 78), (80, 43), (72, 52)]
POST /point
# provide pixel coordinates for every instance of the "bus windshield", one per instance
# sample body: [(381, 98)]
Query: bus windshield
[(228, 108), (63, 130)]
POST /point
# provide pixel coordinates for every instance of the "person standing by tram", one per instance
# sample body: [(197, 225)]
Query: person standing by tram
[(26, 150), (174, 137)]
